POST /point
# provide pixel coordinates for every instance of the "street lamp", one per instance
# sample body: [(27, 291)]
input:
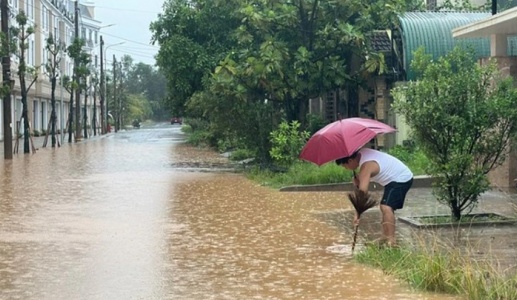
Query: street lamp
[(105, 26), (103, 81)]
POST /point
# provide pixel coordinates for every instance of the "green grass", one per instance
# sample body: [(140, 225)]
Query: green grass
[(305, 173), (301, 173), (435, 268)]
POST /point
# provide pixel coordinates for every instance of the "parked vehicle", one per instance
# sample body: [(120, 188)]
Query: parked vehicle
[(176, 120)]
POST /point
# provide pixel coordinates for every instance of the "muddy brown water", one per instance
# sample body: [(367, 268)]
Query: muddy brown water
[(137, 215)]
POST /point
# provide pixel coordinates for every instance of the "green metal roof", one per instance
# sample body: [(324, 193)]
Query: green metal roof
[(433, 30)]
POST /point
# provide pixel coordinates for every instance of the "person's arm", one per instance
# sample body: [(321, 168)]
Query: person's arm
[(368, 170), (355, 180)]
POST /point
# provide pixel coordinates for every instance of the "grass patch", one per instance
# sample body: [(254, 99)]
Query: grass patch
[(301, 173), (305, 173), (441, 269), (413, 157), (466, 220)]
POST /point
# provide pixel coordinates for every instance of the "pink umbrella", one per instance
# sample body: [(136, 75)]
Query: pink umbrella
[(341, 138)]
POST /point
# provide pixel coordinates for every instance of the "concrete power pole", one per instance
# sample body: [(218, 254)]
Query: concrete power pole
[(103, 114), (78, 80), (115, 91), (6, 73)]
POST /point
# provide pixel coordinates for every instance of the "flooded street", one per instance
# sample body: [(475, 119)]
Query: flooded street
[(140, 215)]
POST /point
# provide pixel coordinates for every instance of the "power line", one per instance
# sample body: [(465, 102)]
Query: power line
[(130, 10), (131, 41)]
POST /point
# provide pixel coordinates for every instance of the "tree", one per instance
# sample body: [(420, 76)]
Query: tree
[(87, 84), (95, 85), (81, 72), (298, 50), (68, 84), (56, 49), (265, 59), (22, 33), (193, 36), (464, 117)]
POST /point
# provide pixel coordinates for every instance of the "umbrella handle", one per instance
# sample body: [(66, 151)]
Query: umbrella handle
[(356, 227)]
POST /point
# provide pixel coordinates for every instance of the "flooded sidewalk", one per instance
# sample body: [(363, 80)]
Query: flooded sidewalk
[(494, 242)]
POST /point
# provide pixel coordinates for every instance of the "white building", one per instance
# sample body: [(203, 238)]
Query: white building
[(54, 17)]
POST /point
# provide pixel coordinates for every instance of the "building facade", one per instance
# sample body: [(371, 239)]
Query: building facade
[(56, 18)]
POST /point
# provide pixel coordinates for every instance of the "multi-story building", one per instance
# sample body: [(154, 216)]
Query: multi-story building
[(56, 17)]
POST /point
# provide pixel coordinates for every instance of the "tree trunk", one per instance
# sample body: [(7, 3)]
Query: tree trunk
[(303, 104), (26, 129), (53, 112), (455, 210), (71, 116), (94, 118), (85, 116)]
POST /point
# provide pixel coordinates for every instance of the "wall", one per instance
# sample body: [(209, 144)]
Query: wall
[(504, 176)]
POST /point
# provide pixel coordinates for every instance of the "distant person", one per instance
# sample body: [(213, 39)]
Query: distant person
[(388, 171)]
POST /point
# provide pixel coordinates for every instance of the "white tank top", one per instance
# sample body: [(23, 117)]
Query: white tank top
[(391, 169)]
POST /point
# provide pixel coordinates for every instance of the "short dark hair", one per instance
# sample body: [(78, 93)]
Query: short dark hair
[(344, 160)]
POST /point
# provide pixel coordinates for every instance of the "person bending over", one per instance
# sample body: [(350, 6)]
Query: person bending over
[(388, 171)]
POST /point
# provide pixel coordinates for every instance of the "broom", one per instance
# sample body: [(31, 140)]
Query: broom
[(362, 201)]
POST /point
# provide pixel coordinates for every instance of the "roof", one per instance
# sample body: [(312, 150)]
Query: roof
[(501, 23), (433, 30), (379, 40)]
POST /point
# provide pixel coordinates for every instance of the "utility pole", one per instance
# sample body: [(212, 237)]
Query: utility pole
[(6, 73), (104, 115), (115, 90), (78, 80)]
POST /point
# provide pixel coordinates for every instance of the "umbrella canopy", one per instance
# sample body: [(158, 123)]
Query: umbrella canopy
[(341, 138)]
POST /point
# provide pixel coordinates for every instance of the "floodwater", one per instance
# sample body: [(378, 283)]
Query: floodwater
[(140, 215)]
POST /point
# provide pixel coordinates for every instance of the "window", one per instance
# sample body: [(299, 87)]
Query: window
[(45, 56), (56, 29), (32, 53), (83, 33), (29, 9), (44, 18)]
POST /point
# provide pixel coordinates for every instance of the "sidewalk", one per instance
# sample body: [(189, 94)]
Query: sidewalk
[(486, 242), (39, 140)]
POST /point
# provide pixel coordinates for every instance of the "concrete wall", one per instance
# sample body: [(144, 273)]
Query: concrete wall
[(504, 176)]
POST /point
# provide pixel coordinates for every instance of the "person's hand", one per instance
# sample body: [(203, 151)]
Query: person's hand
[(356, 219), (355, 181)]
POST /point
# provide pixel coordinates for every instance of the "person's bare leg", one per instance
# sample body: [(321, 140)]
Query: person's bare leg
[(388, 224)]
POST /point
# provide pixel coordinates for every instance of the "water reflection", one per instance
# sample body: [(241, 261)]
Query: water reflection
[(111, 218)]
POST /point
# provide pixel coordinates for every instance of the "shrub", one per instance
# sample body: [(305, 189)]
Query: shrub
[(287, 142), (314, 123), (241, 154), (412, 156)]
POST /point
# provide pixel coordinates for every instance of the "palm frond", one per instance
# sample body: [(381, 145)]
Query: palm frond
[(362, 201)]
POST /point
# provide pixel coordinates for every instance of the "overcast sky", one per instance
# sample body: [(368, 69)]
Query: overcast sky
[(131, 19)]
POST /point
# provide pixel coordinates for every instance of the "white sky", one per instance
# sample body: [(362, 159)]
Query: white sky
[(132, 19)]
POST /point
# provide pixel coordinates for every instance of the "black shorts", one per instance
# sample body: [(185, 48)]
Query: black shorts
[(395, 194)]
